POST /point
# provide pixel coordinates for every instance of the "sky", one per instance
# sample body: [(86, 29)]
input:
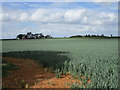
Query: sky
[(59, 19)]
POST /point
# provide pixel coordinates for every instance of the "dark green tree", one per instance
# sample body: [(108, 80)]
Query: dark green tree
[(20, 36)]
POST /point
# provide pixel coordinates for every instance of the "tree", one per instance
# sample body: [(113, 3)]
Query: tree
[(98, 35), (20, 36), (48, 36), (111, 35), (41, 35), (102, 35), (93, 36), (29, 35), (88, 35)]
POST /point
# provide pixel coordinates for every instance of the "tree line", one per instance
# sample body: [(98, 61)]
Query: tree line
[(29, 35), (88, 35)]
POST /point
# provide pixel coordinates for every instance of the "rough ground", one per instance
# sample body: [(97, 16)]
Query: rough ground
[(32, 75)]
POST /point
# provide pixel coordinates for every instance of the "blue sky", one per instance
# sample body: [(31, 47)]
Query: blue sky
[(59, 19)]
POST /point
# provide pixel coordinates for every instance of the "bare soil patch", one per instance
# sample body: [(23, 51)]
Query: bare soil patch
[(28, 73), (32, 75)]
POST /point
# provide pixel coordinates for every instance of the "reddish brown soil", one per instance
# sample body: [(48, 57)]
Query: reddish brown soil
[(64, 82), (28, 71), (32, 75)]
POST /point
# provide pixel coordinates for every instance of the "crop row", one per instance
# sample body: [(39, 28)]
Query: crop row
[(102, 73)]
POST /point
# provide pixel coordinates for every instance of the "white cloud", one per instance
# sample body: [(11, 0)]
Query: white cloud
[(56, 17), (58, 22), (98, 22), (23, 17), (24, 30), (84, 20), (74, 15), (4, 16), (112, 17), (108, 17), (14, 16), (40, 15), (47, 16)]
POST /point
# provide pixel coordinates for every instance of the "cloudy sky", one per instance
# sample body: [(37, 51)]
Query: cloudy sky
[(59, 19)]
